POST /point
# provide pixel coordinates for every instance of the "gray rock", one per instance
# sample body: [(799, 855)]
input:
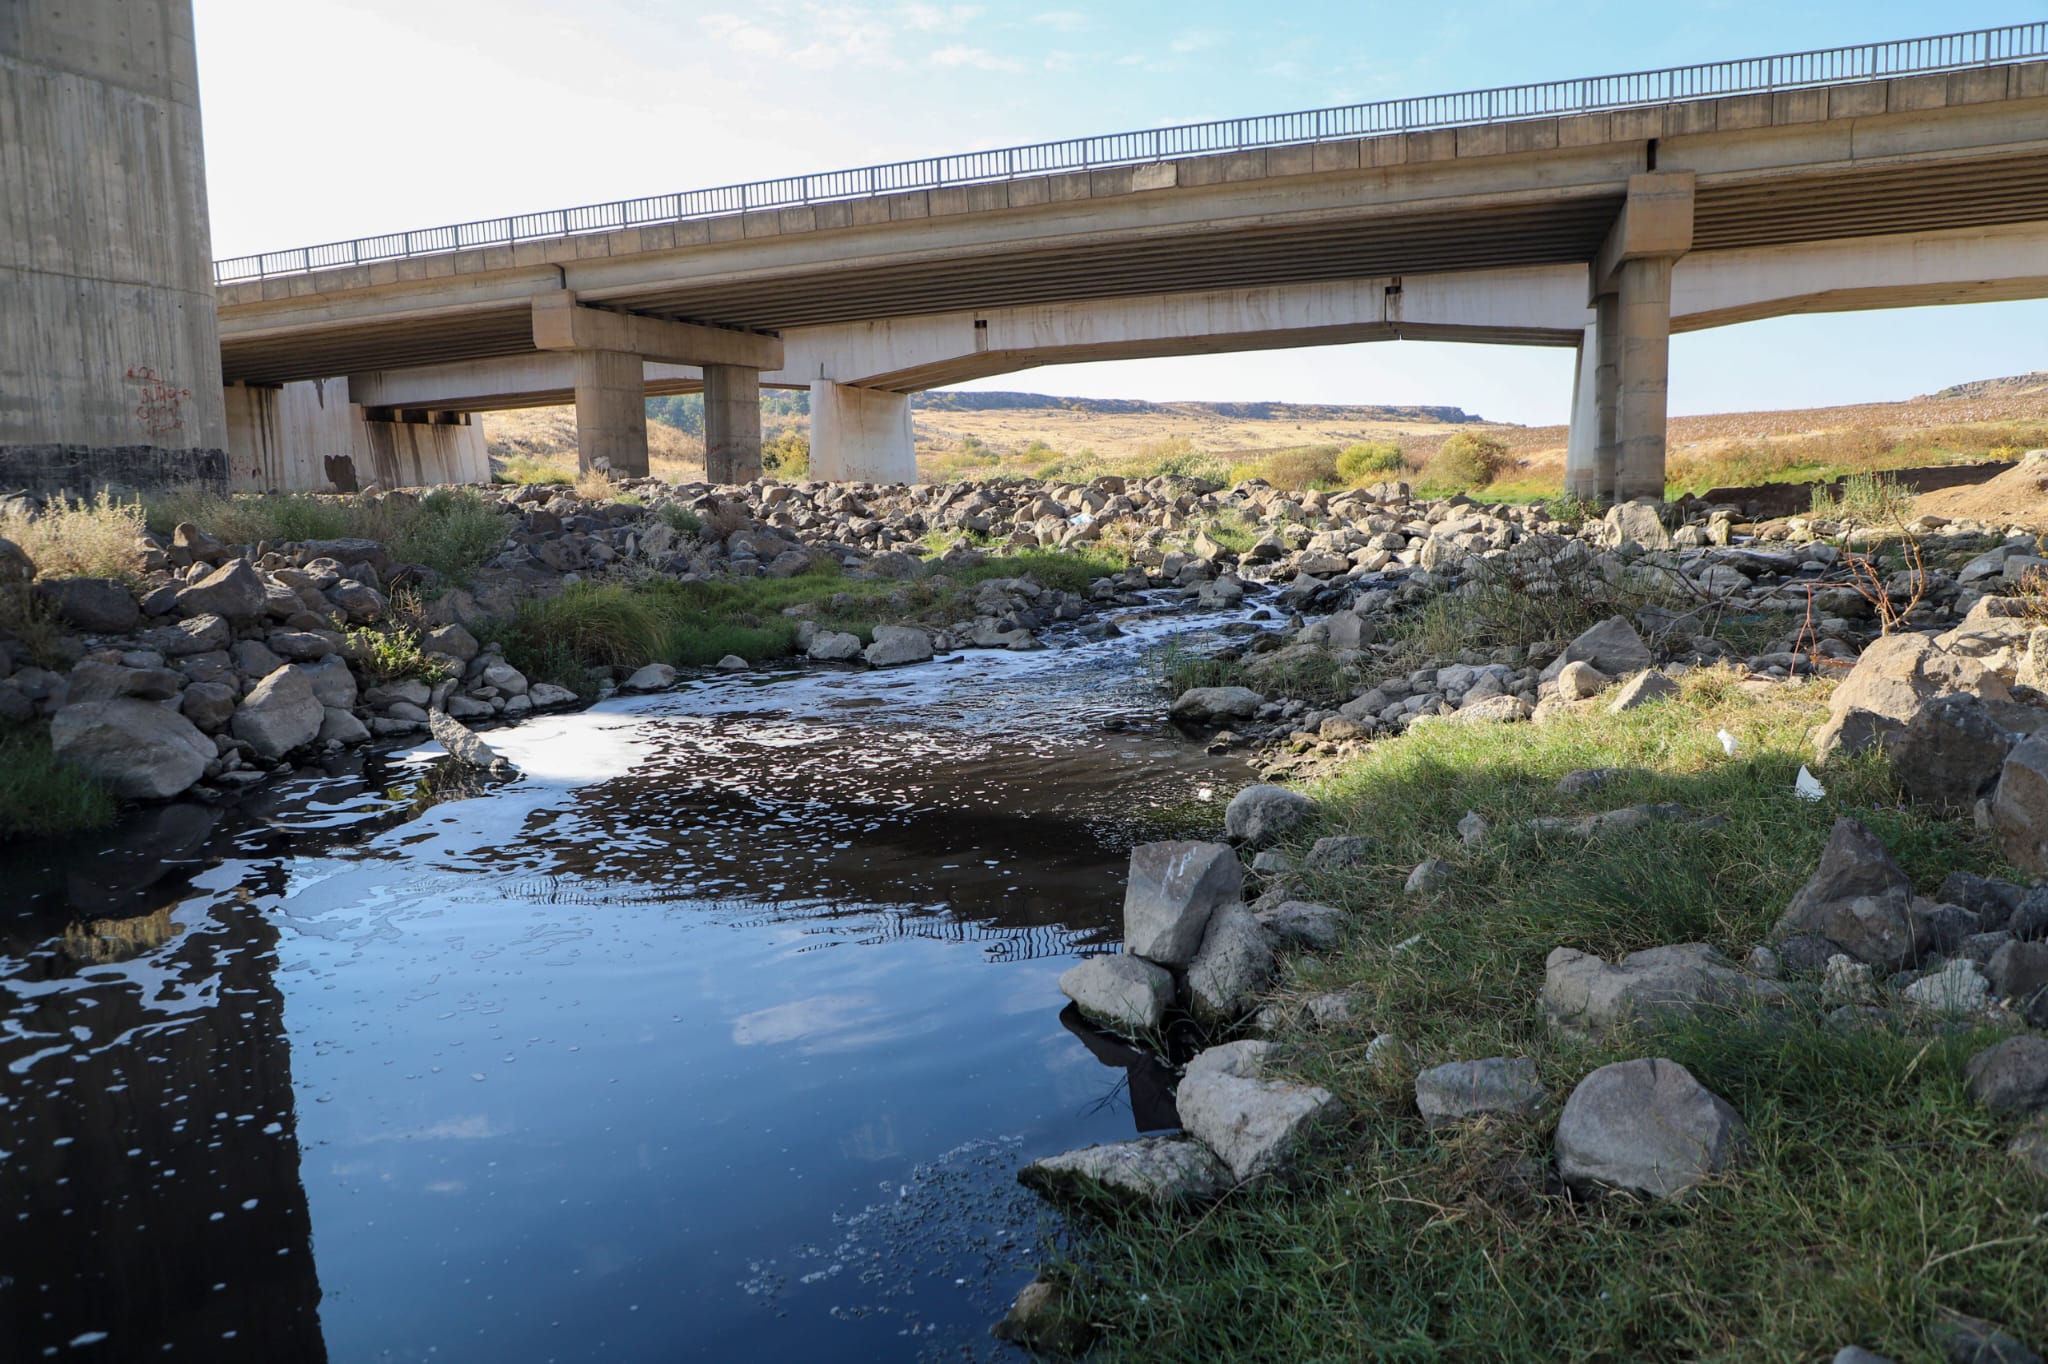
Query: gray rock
[(1247, 1058), (1259, 815), (1641, 690), (1847, 981), (732, 663), (1636, 522), (199, 635), (339, 726), (332, 681), (462, 743), (90, 681), (1123, 991), (1429, 876), (896, 645), (506, 678), (1498, 1086), (2030, 1148), (1992, 901), (16, 568), (452, 640), (1612, 646), (253, 659), (1502, 709), (1858, 898), (1584, 996), (1233, 966), (1942, 928), (234, 590), (2019, 972), (1161, 1171), (834, 646), (2011, 1076), (1174, 887), (1972, 1340), (404, 690), (1041, 1322), (1957, 990), (139, 749), (1473, 829), (1212, 705), (1646, 1126), (653, 677), (305, 646), (360, 602), (282, 713), (1856, 1354), (208, 705), (1894, 678), (1339, 852), (2019, 806), (1300, 924), (546, 694), (102, 605), (1583, 780), (1950, 752), (1255, 1126)]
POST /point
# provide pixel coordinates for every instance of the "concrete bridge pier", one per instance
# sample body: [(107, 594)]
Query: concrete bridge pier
[(732, 423), (861, 435), (611, 412), (1617, 446)]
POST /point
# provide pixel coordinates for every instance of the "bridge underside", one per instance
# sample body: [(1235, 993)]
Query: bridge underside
[(1606, 232)]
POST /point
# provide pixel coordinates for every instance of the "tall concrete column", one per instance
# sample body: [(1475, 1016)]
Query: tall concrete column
[(109, 350), (1645, 307), (1607, 396), (1581, 467), (732, 424), (611, 412), (860, 435)]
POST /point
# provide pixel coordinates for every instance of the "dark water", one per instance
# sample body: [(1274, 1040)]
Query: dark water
[(718, 1034)]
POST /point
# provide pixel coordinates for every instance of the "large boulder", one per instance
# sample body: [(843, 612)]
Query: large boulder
[(1261, 814), (1584, 996), (1302, 924), (1126, 992), (101, 605), (332, 681), (1612, 646), (2019, 972), (1858, 898), (1232, 968), (896, 645), (1894, 678), (1950, 752), (2011, 1076), (1637, 522), (234, 590), (2019, 805), (834, 646), (1213, 705), (282, 713), (461, 741), (139, 749), (1499, 1086), (1646, 1126), (1174, 888), (1162, 1171), (1254, 1125)]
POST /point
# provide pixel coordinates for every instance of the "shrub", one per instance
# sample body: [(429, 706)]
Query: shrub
[(787, 455), (681, 519), (247, 519), (450, 531), (1364, 461), (526, 469), (1467, 460), (96, 539)]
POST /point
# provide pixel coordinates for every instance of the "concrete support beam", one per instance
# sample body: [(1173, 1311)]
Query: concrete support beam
[(1581, 466), (1606, 395), (1645, 307), (860, 435), (561, 323), (1656, 221), (611, 413), (732, 424)]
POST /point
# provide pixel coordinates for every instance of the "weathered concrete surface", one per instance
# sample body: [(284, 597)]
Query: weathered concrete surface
[(109, 351)]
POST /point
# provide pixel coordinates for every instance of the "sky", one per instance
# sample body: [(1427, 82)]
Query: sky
[(331, 119)]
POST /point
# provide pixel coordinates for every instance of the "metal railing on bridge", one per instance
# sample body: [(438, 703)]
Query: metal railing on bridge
[(1592, 94)]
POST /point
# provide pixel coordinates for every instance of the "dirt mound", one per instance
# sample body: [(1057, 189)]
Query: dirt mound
[(2017, 497)]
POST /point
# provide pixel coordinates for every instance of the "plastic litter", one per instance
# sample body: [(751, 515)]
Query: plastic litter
[(1808, 786), (1729, 743)]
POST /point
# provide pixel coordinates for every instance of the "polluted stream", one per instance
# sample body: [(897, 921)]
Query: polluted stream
[(719, 1031)]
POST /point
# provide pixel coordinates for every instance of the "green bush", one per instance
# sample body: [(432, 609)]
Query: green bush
[(1302, 468), (1467, 460), (452, 531), (1365, 461)]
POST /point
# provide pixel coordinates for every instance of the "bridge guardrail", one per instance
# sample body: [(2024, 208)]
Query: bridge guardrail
[(1592, 94)]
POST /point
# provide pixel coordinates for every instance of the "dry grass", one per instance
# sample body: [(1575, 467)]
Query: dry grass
[(96, 539), (538, 445)]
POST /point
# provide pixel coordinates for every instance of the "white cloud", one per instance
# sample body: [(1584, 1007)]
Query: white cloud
[(936, 18), (1065, 20), (981, 59)]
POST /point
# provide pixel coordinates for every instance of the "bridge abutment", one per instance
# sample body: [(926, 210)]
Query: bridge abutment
[(861, 435)]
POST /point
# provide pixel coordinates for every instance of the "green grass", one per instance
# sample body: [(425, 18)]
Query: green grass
[(563, 638), (1878, 1192), (450, 530), (42, 798)]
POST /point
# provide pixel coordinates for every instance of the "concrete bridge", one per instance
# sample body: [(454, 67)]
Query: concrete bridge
[(1600, 214)]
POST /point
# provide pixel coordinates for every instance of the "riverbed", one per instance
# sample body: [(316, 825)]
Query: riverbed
[(719, 1032)]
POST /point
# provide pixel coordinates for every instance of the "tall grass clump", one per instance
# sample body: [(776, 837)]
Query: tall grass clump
[(1369, 462), (80, 539), (41, 797), (251, 518), (525, 470), (452, 531)]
